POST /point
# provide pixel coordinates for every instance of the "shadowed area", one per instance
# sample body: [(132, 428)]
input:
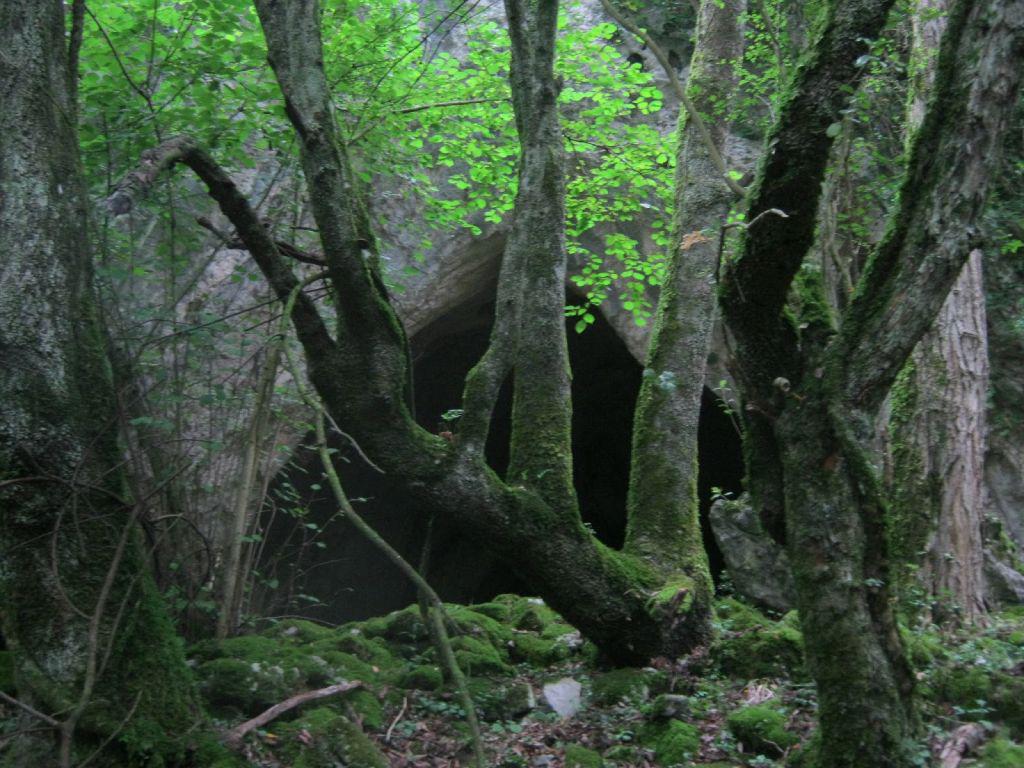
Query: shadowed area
[(320, 567)]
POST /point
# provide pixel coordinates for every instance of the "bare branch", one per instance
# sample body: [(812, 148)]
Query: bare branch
[(286, 248), (235, 735), (909, 275), (30, 710), (309, 324)]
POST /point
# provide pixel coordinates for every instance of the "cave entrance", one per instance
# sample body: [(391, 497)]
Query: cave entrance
[(326, 570)]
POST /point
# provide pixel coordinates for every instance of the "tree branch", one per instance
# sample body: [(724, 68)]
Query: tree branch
[(135, 185), (234, 737), (755, 286), (911, 272)]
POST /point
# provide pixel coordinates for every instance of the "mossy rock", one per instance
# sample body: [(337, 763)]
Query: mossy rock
[(478, 657), (627, 754), (366, 706), (351, 639), (581, 757), (674, 742), (299, 632), (668, 706), (623, 685), (537, 651), (497, 611), (422, 677), (209, 751), (404, 626), (496, 701), (247, 687), (470, 622), (1002, 753), (322, 738), (752, 646), (762, 729)]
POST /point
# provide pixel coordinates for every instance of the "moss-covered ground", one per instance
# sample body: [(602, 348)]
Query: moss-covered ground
[(747, 700)]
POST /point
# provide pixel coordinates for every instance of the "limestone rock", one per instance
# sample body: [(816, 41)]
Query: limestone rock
[(757, 565)]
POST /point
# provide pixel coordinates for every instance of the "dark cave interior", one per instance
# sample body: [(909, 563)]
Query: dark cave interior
[(321, 566)]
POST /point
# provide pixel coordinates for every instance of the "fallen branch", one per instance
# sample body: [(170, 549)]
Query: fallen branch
[(391, 728), (235, 735)]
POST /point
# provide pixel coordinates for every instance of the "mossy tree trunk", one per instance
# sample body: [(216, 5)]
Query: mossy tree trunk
[(814, 391), (361, 370), (95, 655), (938, 429), (663, 509)]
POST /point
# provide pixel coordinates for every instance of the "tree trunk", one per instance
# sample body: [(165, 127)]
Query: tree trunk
[(939, 432), (938, 442), (663, 509), (815, 395), (92, 644)]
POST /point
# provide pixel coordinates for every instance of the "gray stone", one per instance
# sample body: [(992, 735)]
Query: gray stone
[(757, 565)]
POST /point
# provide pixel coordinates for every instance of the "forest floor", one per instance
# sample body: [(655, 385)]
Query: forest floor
[(547, 701)]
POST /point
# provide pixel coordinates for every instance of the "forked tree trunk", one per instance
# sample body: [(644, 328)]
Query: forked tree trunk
[(620, 601), (816, 395), (938, 429), (93, 647)]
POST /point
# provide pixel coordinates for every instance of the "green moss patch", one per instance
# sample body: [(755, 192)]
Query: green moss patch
[(322, 738), (753, 646), (581, 757), (674, 742), (623, 685), (762, 729)]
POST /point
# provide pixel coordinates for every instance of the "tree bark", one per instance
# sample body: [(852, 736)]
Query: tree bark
[(662, 507), (815, 395), (91, 641), (361, 373), (939, 435)]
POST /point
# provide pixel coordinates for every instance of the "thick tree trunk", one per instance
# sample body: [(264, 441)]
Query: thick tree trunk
[(938, 439), (532, 521), (815, 399), (92, 644), (663, 509), (939, 434)]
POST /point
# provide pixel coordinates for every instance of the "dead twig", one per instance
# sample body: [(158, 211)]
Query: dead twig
[(234, 737), (391, 728)]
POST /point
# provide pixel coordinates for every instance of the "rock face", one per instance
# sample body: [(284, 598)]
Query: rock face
[(757, 565)]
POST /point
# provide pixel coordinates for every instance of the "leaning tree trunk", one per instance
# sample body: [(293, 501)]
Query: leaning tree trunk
[(663, 508), (938, 429), (95, 656), (817, 394)]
